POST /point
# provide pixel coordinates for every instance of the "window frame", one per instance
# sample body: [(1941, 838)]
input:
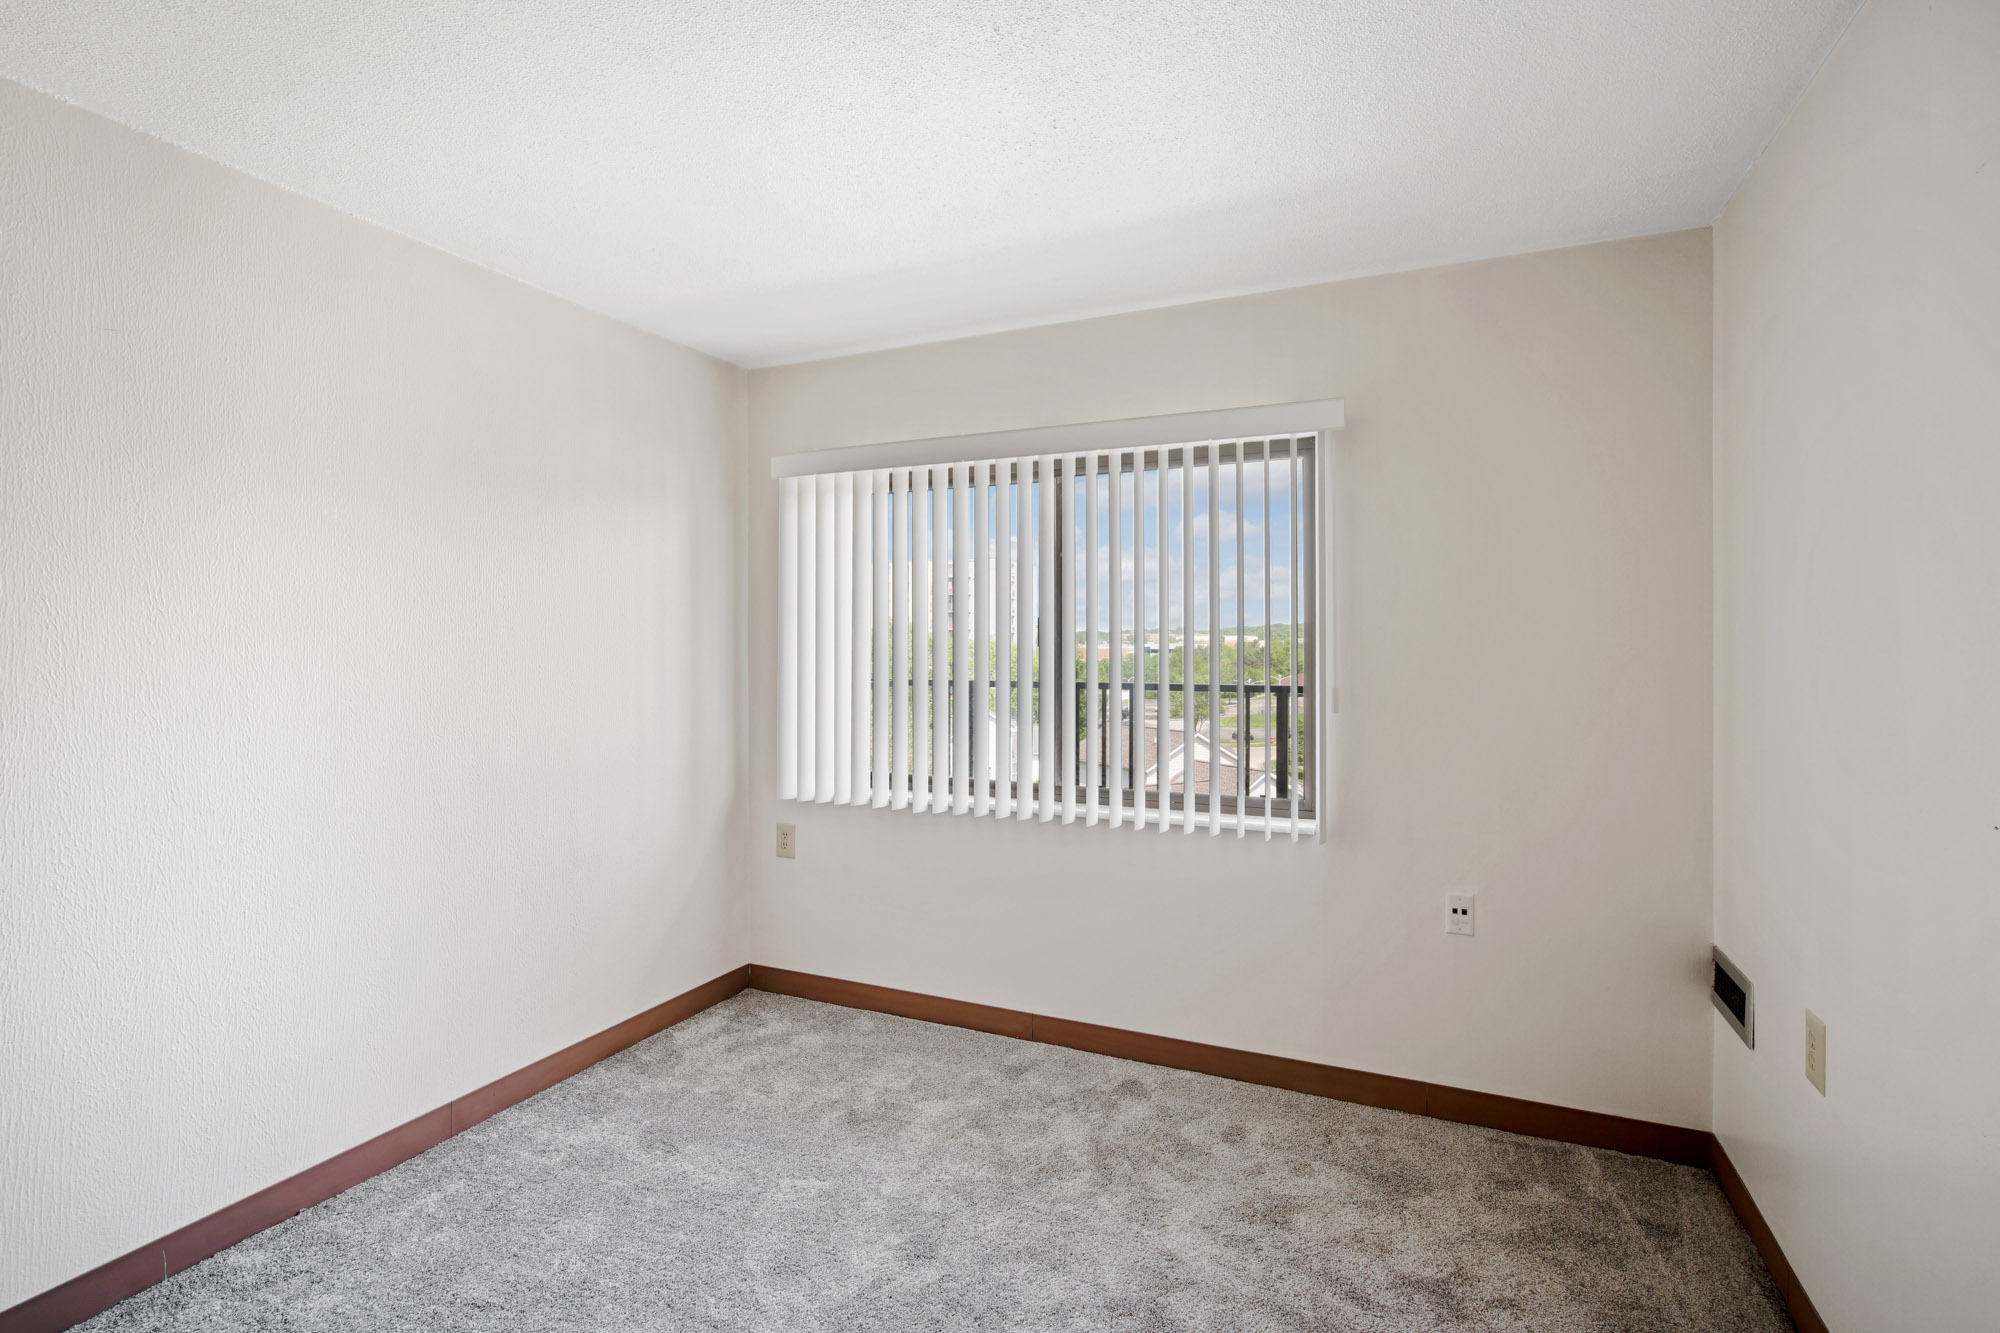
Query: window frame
[(1142, 447)]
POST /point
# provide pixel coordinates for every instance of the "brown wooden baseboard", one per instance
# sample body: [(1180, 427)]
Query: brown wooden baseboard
[(545, 1073), (243, 1219), (1277, 1071), (1804, 1315), (104, 1286), (88, 1293), (1595, 1129), (884, 1000), (1641, 1138)]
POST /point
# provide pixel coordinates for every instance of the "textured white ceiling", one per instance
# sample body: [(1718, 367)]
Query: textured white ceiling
[(774, 180)]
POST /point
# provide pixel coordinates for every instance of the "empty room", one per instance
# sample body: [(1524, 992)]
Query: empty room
[(999, 665)]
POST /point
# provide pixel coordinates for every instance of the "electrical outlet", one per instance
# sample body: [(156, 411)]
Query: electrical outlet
[(788, 841), (1816, 1051), (1458, 915)]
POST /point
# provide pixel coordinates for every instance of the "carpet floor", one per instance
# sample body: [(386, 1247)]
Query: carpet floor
[(776, 1164)]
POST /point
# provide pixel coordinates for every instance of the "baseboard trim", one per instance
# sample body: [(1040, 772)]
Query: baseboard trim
[(545, 1073), (1543, 1120), (884, 1000), (98, 1290), (243, 1219), (102, 1287), (1595, 1129), (1804, 1315), (88, 1293), (1643, 1138), (1277, 1071)]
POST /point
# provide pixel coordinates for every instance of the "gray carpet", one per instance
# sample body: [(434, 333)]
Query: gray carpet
[(774, 1164)]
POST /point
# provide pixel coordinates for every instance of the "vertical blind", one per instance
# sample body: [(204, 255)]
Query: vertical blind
[(1119, 637)]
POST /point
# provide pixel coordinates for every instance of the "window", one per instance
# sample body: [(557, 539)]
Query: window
[(1126, 636)]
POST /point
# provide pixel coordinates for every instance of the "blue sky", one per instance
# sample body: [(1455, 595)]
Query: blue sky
[(1258, 516)]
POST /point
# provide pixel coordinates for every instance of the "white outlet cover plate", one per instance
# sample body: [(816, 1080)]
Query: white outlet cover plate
[(1458, 913)]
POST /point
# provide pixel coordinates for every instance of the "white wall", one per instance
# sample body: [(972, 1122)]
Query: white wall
[(1526, 702), (366, 684), (1857, 474)]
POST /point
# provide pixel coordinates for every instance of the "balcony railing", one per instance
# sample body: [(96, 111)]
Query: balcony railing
[(1289, 769)]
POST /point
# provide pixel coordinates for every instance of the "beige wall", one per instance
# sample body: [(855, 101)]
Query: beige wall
[(1857, 476), (1526, 697), (370, 724), (366, 682)]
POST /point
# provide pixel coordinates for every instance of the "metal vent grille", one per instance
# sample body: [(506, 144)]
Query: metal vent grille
[(1733, 996)]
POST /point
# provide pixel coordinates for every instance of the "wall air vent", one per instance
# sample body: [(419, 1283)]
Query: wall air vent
[(1734, 997)]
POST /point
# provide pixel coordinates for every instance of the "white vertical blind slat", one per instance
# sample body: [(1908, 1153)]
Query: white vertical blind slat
[(1074, 491), (1187, 639), (808, 699), (861, 722), (962, 614), (1142, 675), (1295, 675), (899, 638), (1214, 640), (1057, 655), (1136, 739), (1163, 709), (843, 638), (788, 638), (941, 639), (1242, 792), (1005, 560), (826, 678), (873, 662), (1136, 743), (921, 546), (1093, 607), (1021, 670), (1269, 530), (1319, 661), (1114, 695), (1028, 647), (981, 756)]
